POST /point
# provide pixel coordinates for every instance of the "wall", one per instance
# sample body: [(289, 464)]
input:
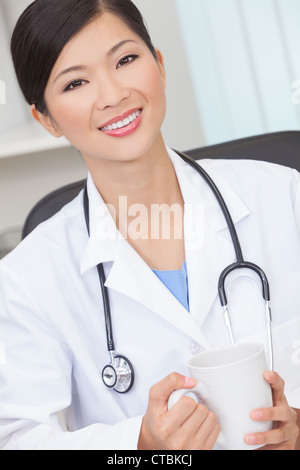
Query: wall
[(244, 60), (183, 125)]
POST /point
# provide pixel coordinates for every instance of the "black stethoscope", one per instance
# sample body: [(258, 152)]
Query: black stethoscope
[(119, 374)]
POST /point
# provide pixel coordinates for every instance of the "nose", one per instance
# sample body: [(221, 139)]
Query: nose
[(110, 92)]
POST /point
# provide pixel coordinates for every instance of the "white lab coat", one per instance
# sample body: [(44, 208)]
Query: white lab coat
[(52, 324)]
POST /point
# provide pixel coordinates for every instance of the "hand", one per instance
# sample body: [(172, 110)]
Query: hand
[(285, 433), (186, 426)]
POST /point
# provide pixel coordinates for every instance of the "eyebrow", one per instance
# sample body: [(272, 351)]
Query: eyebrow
[(76, 68), (117, 46)]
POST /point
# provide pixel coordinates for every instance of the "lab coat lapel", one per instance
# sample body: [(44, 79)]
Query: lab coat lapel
[(141, 284), (204, 267)]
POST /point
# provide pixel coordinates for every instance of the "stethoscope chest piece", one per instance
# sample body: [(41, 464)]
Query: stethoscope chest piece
[(119, 374)]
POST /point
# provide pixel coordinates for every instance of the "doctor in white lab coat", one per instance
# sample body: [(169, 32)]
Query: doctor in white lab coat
[(52, 330)]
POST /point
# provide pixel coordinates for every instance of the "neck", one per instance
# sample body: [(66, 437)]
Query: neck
[(149, 179), (147, 182)]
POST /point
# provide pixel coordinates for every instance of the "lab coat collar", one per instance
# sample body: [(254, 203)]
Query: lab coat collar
[(104, 236), (207, 253), (196, 190)]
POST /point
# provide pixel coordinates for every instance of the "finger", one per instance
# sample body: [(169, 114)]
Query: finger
[(274, 437), (204, 431), (279, 413), (170, 423), (195, 421), (181, 412), (277, 384), (160, 392), (200, 430), (212, 438)]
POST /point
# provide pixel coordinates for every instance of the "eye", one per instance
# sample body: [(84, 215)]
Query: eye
[(127, 60), (74, 84)]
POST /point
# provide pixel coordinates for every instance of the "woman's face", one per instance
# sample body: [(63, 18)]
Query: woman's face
[(106, 92)]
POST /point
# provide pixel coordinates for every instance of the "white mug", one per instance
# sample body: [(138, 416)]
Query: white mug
[(231, 385)]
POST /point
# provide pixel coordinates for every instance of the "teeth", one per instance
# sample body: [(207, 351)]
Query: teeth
[(120, 124)]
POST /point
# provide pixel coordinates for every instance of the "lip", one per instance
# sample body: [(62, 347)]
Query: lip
[(124, 131), (120, 118)]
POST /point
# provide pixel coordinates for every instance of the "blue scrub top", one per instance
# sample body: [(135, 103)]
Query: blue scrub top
[(177, 283)]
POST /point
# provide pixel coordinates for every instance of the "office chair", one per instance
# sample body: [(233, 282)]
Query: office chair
[(279, 147)]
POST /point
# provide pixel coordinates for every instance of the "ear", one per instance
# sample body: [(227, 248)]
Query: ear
[(161, 65), (45, 121)]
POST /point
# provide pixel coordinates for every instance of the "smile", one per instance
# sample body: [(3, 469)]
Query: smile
[(120, 124), (121, 127)]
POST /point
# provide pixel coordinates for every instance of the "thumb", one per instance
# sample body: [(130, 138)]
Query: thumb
[(160, 393)]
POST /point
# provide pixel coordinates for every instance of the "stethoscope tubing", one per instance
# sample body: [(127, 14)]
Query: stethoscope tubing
[(102, 279), (222, 204), (243, 265)]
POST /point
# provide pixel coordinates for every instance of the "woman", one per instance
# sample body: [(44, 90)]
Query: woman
[(90, 72)]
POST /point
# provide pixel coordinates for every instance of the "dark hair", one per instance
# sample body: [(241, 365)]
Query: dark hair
[(46, 26)]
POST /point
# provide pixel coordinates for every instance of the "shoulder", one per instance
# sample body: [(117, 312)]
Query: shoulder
[(58, 238), (243, 171), (245, 174), (243, 167)]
